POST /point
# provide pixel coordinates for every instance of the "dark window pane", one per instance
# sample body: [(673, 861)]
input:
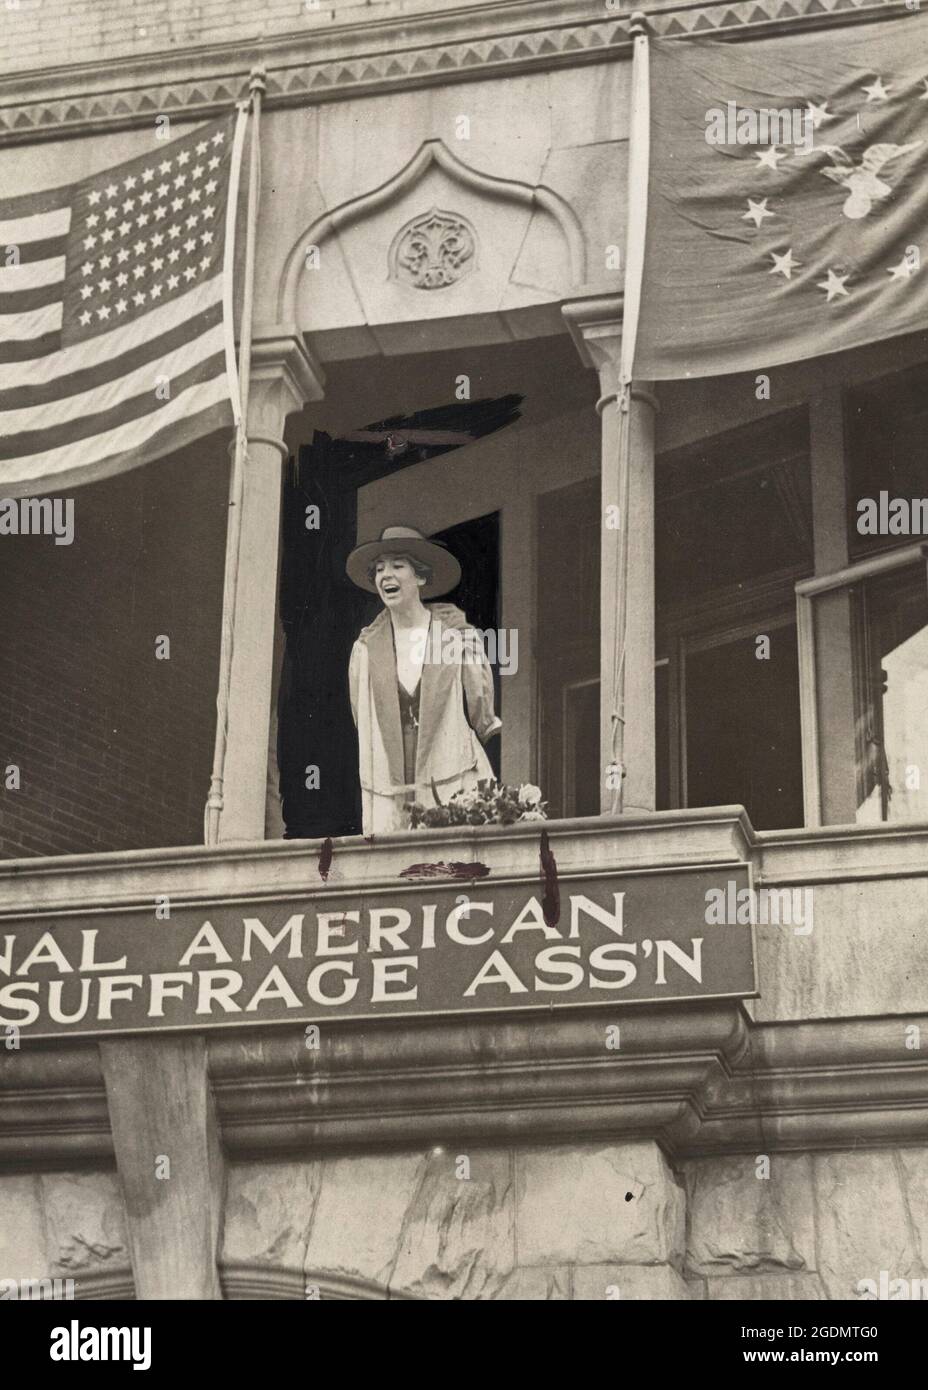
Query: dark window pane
[(581, 717), (567, 648), (662, 735), (733, 509), (742, 729), (886, 423)]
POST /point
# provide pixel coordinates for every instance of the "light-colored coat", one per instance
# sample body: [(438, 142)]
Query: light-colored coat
[(449, 752)]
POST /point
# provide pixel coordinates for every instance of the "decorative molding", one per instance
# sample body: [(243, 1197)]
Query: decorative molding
[(699, 1079), (497, 1083), (430, 152), (595, 325), (270, 1281), (110, 1284), (434, 250), (57, 1095), (282, 364), (819, 1084), (393, 58)]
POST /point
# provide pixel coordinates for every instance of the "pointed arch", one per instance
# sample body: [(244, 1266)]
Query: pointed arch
[(431, 152)]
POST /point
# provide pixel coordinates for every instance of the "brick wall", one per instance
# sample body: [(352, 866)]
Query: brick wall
[(51, 33), (114, 746)]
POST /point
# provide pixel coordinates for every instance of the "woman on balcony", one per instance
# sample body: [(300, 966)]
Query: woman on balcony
[(412, 672)]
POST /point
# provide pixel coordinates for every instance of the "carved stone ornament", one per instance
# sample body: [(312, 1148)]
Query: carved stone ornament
[(433, 251)]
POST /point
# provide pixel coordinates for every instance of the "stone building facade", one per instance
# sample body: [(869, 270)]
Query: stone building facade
[(443, 197)]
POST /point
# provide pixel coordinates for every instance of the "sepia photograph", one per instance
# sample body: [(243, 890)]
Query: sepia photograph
[(464, 665)]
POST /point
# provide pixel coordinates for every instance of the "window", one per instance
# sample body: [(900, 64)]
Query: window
[(741, 727), (580, 716), (886, 427), (863, 627), (885, 606), (567, 648), (733, 533), (892, 620)]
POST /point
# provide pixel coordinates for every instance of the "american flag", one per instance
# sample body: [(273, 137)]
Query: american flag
[(116, 343)]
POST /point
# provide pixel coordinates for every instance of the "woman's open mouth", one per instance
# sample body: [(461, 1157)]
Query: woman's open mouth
[(389, 588)]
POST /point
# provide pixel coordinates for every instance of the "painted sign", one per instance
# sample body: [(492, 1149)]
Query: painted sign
[(603, 938)]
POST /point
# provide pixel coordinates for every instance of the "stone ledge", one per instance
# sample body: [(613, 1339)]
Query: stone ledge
[(278, 868), (700, 1079), (482, 1081), (662, 839)]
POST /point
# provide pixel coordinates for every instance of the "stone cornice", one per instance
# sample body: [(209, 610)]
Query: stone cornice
[(700, 1079), (310, 66)]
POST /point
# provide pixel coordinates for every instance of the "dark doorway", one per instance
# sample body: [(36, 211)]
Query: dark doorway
[(323, 612), (743, 741)]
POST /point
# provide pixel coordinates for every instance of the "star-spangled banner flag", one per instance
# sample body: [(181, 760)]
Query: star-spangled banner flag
[(116, 337), (810, 241)]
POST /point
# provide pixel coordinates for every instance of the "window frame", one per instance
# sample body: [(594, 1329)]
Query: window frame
[(807, 590), (568, 727), (764, 619), (712, 620)]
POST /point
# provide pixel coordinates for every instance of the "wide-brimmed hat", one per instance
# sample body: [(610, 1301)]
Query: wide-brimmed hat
[(405, 540)]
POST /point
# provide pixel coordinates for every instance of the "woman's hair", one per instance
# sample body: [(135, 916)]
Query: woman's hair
[(419, 567)]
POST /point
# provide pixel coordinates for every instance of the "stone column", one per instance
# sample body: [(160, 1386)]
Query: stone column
[(273, 808), (170, 1162), (833, 617), (283, 378), (627, 559)]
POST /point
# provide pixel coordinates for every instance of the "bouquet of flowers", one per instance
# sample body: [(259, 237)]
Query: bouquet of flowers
[(489, 803)]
